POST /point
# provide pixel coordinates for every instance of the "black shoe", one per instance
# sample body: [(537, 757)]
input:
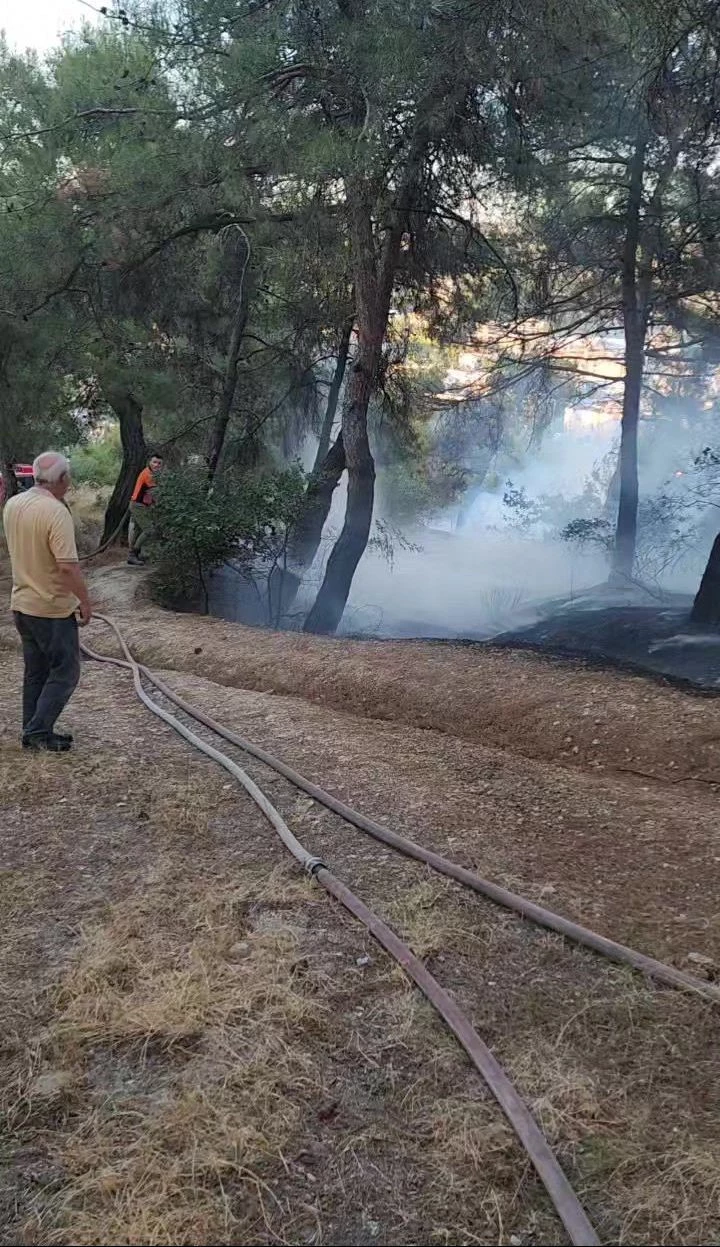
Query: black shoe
[(68, 736), (135, 560), (47, 742)]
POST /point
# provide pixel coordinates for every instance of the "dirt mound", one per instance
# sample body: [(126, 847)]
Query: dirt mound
[(531, 705)]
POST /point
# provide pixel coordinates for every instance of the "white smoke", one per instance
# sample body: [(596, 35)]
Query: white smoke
[(445, 582), (487, 576)]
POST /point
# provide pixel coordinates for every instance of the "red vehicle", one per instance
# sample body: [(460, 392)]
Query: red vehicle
[(23, 474)]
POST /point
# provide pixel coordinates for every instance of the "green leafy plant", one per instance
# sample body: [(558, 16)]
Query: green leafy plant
[(524, 511), (583, 532), (413, 492), (246, 519), (98, 462)]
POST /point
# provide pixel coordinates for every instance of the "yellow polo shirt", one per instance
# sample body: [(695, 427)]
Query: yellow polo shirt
[(40, 534)]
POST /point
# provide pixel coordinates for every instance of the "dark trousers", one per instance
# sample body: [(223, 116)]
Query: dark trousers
[(142, 517), (52, 669)]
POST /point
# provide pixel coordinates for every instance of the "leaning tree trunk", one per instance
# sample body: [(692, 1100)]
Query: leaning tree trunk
[(308, 531), (334, 396), (373, 291), (134, 455), (328, 468), (350, 546), (706, 607), (374, 270)]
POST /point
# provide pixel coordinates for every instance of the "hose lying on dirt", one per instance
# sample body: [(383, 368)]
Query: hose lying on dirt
[(657, 970), (562, 1195), (106, 544)]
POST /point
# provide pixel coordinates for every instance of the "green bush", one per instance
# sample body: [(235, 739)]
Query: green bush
[(97, 463), (247, 518), (583, 533), (412, 492)]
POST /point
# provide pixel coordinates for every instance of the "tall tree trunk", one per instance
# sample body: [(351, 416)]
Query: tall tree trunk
[(334, 395), (134, 455), (307, 533), (218, 431), (643, 242), (8, 444), (634, 307), (706, 607), (350, 546), (626, 529), (328, 468), (374, 281), (374, 269)]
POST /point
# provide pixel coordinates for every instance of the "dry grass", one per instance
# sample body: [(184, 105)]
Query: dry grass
[(608, 1078), (644, 1178), (433, 926), (177, 1056), (627, 1124), (466, 1138), (88, 503), (680, 1191), (133, 983)]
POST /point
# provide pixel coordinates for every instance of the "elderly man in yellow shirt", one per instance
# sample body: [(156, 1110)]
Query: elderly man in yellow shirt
[(49, 599)]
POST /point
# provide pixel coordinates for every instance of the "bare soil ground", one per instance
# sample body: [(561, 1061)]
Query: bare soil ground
[(198, 1046)]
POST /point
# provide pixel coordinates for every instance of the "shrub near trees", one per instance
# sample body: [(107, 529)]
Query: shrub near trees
[(247, 519)]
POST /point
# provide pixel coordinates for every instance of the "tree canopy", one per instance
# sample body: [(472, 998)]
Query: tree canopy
[(221, 221)]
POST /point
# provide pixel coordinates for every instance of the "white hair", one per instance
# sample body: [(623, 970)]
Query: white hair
[(50, 467)]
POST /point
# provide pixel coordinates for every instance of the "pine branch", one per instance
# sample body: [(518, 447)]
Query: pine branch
[(212, 224)]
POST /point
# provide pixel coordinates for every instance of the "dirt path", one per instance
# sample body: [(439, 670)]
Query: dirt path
[(199, 1047)]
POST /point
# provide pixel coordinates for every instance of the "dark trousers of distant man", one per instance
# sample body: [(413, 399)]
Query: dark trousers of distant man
[(142, 517), (51, 651)]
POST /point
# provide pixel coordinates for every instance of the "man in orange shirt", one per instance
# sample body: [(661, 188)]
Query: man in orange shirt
[(141, 505)]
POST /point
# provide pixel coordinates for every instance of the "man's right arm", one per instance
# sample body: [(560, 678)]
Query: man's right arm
[(74, 581)]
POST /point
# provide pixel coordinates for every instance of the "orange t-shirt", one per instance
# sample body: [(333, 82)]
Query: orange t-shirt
[(144, 483)]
